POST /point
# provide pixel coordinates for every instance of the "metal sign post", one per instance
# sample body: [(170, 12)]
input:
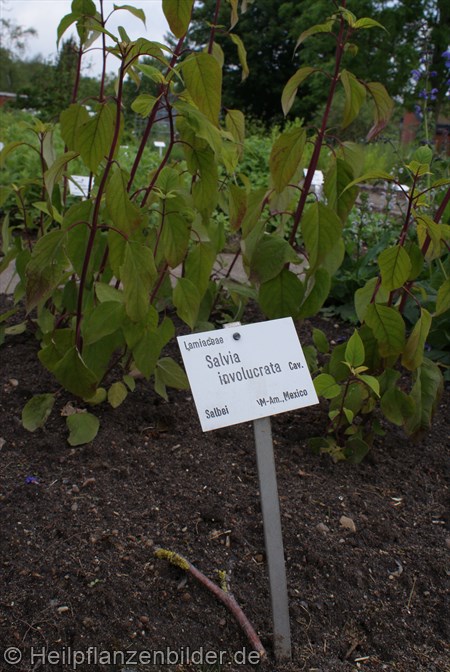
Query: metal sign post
[(249, 373), (273, 538)]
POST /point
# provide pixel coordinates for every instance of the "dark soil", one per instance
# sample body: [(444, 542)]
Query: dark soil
[(77, 540)]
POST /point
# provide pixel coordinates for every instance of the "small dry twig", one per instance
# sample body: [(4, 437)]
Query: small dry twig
[(223, 595)]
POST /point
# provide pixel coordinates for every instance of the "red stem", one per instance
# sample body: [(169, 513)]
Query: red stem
[(321, 134)]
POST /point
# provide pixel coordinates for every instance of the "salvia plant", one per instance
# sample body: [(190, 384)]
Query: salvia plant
[(99, 283)]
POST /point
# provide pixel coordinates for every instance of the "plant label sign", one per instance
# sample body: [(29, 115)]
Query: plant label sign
[(246, 372)]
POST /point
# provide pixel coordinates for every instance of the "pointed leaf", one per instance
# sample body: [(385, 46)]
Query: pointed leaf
[(367, 23), (339, 198), (413, 352), (320, 340), (186, 299), (290, 90), (397, 406), (371, 382), (83, 428), (354, 351), (426, 393), (326, 386), (95, 137), (203, 78), (317, 294), (102, 320), (37, 410), (395, 267), (168, 372), (388, 328), (54, 174), (137, 274), (281, 296), (138, 13), (242, 55), (443, 298), (199, 264), (321, 229), (271, 254), (286, 155), (117, 393), (383, 108), (73, 374), (126, 216), (144, 104), (355, 95), (71, 120), (319, 28), (178, 15)]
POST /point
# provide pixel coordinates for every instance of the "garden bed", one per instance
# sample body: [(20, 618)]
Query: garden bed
[(79, 527)]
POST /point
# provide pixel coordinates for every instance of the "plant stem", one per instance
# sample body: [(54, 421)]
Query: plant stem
[(226, 598), (96, 212), (321, 134), (163, 88)]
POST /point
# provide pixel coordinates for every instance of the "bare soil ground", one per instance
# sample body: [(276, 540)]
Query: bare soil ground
[(79, 527)]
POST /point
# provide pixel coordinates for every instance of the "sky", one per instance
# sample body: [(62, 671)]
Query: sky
[(44, 16)]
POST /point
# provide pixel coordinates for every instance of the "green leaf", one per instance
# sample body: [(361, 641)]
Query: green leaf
[(340, 199), (37, 410), (54, 174), (271, 254), (412, 356), (443, 298), (168, 372), (83, 428), (137, 273), (186, 299), (320, 340), (354, 351), (286, 155), (290, 90), (235, 124), (242, 54), (198, 266), (318, 290), (138, 13), (371, 382), (125, 215), (71, 120), (203, 79), (326, 386), (425, 394), (45, 268), (367, 23), (144, 104), (355, 95), (178, 15), (364, 296), (73, 374), (175, 234), (318, 28), (237, 205), (388, 328), (64, 24), (94, 138), (117, 393), (356, 449), (281, 296), (105, 292), (395, 267), (102, 320), (396, 405), (383, 108), (321, 229)]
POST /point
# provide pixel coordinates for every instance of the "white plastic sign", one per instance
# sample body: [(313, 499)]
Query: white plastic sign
[(246, 372), (79, 185)]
